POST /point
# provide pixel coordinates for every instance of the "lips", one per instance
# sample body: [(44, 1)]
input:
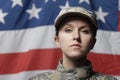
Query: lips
[(76, 45)]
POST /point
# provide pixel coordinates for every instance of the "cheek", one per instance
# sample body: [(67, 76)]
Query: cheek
[(87, 41), (64, 40)]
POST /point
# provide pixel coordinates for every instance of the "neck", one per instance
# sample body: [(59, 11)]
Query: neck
[(74, 63)]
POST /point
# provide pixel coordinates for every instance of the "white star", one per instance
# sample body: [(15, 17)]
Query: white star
[(34, 12), (87, 1), (17, 2), (48, 0), (2, 15), (54, 0), (66, 5), (101, 15)]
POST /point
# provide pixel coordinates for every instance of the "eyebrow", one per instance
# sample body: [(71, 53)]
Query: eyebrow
[(68, 24)]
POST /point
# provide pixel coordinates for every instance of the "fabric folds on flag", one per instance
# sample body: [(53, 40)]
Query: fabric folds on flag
[(27, 36)]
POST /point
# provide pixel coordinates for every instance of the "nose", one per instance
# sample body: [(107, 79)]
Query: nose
[(76, 36)]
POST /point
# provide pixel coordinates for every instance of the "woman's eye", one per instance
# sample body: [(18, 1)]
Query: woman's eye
[(68, 30), (86, 31)]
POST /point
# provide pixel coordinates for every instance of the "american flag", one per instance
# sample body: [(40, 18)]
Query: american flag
[(27, 36)]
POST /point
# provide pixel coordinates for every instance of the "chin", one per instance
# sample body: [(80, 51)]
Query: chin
[(76, 56)]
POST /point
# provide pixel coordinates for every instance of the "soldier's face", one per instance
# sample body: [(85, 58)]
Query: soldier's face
[(75, 39)]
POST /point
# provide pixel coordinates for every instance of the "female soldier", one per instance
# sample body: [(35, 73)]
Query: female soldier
[(75, 35)]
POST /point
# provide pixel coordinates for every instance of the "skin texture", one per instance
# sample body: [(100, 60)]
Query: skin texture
[(75, 39)]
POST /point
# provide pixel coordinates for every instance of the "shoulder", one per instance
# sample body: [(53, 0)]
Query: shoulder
[(51, 75), (41, 76), (99, 76)]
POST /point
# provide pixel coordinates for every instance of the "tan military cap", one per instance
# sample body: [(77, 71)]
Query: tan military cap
[(75, 11)]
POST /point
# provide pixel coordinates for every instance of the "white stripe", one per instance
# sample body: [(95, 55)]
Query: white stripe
[(107, 42), (119, 4), (43, 37), (26, 75), (21, 75), (24, 40), (118, 77)]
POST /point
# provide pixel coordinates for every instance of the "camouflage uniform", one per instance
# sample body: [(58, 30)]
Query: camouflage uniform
[(82, 73)]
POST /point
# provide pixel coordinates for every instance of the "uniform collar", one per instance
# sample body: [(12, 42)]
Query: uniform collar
[(81, 72)]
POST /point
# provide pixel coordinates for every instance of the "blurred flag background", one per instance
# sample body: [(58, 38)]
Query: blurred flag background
[(27, 36)]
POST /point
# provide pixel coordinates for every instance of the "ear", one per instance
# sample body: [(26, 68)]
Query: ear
[(93, 42), (56, 39)]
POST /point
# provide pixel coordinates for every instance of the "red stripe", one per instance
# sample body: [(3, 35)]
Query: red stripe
[(48, 59), (119, 21), (31, 60), (104, 63)]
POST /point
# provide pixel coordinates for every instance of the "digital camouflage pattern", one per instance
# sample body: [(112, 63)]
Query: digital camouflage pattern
[(82, 73)]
